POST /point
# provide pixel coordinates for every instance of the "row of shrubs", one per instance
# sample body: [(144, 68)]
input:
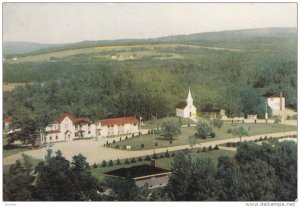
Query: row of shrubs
[(260, 139), (135, 160), (154, 156), (204, 149)]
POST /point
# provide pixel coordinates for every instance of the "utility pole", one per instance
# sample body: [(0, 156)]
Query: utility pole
[(266, 114)]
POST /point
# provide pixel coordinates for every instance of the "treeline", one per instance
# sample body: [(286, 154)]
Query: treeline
[(86, 85), (266, 172)]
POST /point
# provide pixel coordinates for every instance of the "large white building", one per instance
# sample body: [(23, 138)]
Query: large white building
[(187, 109), (68, 128), (117, 126)]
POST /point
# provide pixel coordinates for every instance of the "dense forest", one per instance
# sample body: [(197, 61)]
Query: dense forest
[(154, 76), (266, 172)]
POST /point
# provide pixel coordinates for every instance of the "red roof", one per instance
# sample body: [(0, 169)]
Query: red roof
[(53, 132), (8, 119), (123, 120), (73, 119)]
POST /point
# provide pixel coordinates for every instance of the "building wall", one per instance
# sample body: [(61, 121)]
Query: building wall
[(154, 181), (116, 129), (180, 112), (274, 103), (188, 111), (54, 137)]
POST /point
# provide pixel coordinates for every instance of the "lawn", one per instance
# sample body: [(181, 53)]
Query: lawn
[(14, 149), (153, 124), (187, 135), (164, 163)]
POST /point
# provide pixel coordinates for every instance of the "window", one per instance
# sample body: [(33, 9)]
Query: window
[(89, 125), (56, 137), (50, 137), (89, 132)]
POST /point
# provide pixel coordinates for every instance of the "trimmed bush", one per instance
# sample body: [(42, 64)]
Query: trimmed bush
[(173, 154), (118, 162), (216, 147), (260, 139), (154, 156), (161, 156), (140, 159), (198, 150), (147, 158), (133, 160), (156, 144), (142, 146), (209, 148), (95, 165), (204, 149), (114, 141), (103, 164), (265, 138), (167, 154), (127, 161), (126, 137), (110, 163), (229, 131)]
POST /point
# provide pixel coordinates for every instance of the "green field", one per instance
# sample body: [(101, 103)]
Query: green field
[(148, 50), (164, 163), (153, 124), (187, 133)]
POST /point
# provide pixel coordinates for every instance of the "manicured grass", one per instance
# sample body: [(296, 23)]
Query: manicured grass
[(164, 163), (153, 124), (187, 133), (8, 152)]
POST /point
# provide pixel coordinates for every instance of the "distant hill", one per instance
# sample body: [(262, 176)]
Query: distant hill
[(15, 48), (239, 39), (235, 34)]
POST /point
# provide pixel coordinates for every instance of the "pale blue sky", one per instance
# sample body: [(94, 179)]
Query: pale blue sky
[(74, 22)]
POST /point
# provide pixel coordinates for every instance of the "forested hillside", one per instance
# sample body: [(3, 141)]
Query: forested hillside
[(149, 77)]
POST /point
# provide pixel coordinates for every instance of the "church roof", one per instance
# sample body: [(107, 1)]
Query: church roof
[(181, 105)]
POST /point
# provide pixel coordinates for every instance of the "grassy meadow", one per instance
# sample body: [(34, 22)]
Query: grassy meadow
[(187, 133)]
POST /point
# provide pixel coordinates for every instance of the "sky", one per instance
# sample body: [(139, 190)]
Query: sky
[(75, 22)]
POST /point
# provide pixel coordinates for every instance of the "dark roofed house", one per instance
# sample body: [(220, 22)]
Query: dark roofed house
[(212, 111), (144, 174)]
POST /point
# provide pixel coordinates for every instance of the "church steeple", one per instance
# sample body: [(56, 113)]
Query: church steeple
[(189, 99)]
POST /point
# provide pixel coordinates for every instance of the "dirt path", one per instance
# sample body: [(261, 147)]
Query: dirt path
[(96, 152)]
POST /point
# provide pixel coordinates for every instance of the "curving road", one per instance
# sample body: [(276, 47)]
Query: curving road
[(96, 152)]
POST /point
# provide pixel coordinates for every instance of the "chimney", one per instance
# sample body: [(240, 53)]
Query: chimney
[(153, 162), (280, 103)]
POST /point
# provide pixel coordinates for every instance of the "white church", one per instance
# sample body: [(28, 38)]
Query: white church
[(187, 109)]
